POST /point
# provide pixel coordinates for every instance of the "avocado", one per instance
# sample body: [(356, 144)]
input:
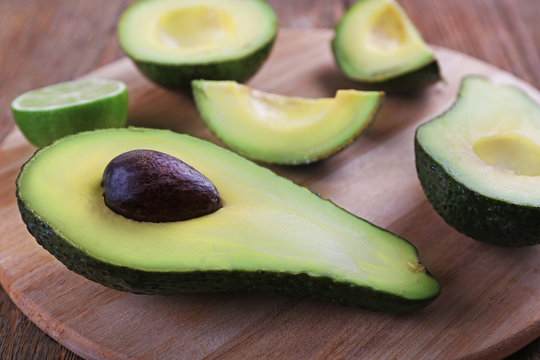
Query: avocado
[(175, 41), (376, 43), (270, 235), (478, 163), (283, 130)]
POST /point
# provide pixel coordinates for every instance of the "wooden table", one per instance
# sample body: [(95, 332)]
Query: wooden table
[(47, 42)]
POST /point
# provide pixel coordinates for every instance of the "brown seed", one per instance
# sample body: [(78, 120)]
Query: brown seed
[(148, 185)]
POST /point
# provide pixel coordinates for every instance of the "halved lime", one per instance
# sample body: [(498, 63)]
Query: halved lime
[(47, 114)]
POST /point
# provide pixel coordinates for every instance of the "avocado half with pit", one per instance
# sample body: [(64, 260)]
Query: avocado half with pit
[(284, 130), (269, 235), (175, 41), (479, 163), (376, 43)]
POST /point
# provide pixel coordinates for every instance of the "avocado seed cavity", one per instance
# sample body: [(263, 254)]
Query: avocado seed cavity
[(513, 152), (389, 31), (148, 185)]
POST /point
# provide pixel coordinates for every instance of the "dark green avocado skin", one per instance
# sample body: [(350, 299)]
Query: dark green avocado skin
[(412, 82), (478, 216), (179, 76), (191, 282)]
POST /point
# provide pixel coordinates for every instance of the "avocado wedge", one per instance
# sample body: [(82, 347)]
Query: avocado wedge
[(270, 235), (283, 130), (175, 41), (479, 163), (376, 43)]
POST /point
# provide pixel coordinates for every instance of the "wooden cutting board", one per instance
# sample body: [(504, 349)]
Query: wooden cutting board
[(489, 306)]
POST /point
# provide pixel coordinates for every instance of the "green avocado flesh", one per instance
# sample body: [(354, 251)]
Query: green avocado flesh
[(375, 42), (270, 235), (175, 41), (479, 163), (283, 130)]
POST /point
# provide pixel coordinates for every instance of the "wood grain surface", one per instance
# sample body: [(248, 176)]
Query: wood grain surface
[(46, 42), (486, 289)]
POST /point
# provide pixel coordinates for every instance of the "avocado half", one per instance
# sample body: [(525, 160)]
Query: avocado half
[(280, 129), (479, 164), (270, 235), (175, 41), (376, 43)]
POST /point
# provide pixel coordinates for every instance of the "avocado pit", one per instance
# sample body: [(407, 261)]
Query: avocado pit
[(148, 185)]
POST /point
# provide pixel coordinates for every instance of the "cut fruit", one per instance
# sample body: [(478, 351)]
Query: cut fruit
[(376, 42), (270, 234), (175, 41), (479, 164), (47, 114), (283, 130)]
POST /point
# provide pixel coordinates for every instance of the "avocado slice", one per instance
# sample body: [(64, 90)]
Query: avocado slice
[(280, 129), (479, 163), (270, 235), (175, 41), (376, 43)]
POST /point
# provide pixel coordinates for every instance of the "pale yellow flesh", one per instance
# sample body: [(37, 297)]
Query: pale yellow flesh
[(512, 152), (271, 127), (376, 40), (192, 30), (490, 141), (267, 222)]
